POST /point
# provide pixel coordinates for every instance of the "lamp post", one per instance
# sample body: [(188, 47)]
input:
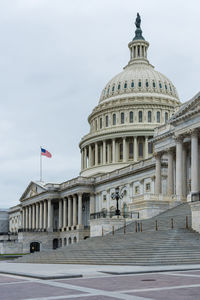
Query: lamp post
[(117, 195)]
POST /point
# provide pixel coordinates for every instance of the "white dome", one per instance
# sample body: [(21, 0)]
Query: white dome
[(139, 79)]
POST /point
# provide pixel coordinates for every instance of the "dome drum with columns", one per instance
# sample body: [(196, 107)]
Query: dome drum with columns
[(131, 105)]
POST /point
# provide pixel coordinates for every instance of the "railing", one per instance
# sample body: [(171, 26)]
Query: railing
[(31, 230), (195, 197), (111, 214)]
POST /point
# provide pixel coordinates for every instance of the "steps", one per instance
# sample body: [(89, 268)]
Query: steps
[(165, 246)]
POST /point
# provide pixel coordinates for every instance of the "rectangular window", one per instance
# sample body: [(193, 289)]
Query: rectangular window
[(114, 119), (130, 150), (120, 151), (140, 145), (158, 117), (122, 118), (100, 122), (149, 116), (131, 117), (140, 116), (137, 189), (148, 187), (107, 121), (150, 148), (104, 197)]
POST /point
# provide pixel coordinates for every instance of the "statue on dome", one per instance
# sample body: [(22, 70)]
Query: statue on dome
[(138, 21)]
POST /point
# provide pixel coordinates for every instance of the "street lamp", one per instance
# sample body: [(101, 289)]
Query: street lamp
[(117, 195)]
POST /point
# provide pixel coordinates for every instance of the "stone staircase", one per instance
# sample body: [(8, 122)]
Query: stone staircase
[(150, 247)]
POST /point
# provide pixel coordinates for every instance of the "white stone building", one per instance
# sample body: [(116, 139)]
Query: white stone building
[(118, 152)]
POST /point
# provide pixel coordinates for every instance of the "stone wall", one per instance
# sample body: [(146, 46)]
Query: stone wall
[(4, 221), (195, 210), (106, 224)]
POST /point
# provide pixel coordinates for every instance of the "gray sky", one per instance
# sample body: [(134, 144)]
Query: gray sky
[(55, 58)]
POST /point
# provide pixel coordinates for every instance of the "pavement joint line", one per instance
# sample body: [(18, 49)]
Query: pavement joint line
[(161, 288), (6, 283), (43, 277), (184, 275)]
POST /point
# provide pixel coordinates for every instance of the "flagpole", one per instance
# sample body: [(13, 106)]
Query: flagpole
[(40, 164)]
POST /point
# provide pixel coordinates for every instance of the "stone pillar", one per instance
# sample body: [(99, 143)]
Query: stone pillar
[(135, 151), (179, 169), (101, 154), (194, 163), (82, 159), (96, 154), (113, 151), (104, 152), (74, 210), (108, 153), (33, 216), (85, 158), (23, 218), (60, 214), (170, 173), (125, 159), (184, 170), (90, 157), (27, 223), (69, 211), (146, 147), (92, 204), (158, 174), (50, 221), (41, 225), (64, 213), (45, 214), (79, 209), (37, 216), (30, 217)]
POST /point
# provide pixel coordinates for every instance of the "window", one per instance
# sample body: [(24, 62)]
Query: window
[(158, 117), (148, 187), (113, 88), (160, 85), (150, 148), (120, 151), (166, 117), (139, 84), (108, 90), (131, 117), (100, 122), (137, 189), (149, 116), (95, 124), (122, 118), (147, 84), (140, 116), (125, 85), (132, 84), (154, 84), (104, 197), (166, 87), (119, 86), (130, 150), (114, 119), (107, 120), (140, 145)]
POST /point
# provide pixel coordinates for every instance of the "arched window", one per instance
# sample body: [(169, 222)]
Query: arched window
[(122, 118), (166, 117), (132, 84), (160, 85), (107, 121), (65, 241), (149, 116), (154, 84), (139, 84), (69, 240), (75, 240), (130, 150), (125, 85), (113, 88), (140, 116), (100, 122), (108, 90), (158, 117), (147, 84), (131, 117), (114, 119), (119, 86)]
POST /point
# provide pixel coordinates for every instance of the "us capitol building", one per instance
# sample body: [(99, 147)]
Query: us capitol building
[(142, 140)]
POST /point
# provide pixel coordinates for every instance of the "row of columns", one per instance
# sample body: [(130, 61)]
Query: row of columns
[(180, 175), (110, 152), (40, 215)]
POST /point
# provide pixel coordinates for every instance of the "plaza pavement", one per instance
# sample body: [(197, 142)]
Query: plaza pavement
[(159, 282)]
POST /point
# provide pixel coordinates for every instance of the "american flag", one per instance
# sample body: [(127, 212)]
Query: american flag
[(46, 153)]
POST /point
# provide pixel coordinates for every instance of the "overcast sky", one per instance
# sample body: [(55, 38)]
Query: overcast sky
[(55, 58)]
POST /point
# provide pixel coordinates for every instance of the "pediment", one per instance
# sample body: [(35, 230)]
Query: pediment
[(190, 106), (32, 189)]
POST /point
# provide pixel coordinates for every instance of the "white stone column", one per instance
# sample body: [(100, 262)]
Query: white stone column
[(194, 163), (85, 158), (104, 152), (92, 203), (37, 215), (90, 157), (27, 222), (30, 217), (158, 174), (184, 170), (179, 164), (74, 210), (96, 154), (23, 218), (135, 151), (146, 147), (82, 159), (113, 151), (79, 209), (45, 214), (64, 213), (108, 153), (41, 225), (60, 214), (170, 173), (101, 154), (69, 211), (125, 159), (50, 217), (33, 216)]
